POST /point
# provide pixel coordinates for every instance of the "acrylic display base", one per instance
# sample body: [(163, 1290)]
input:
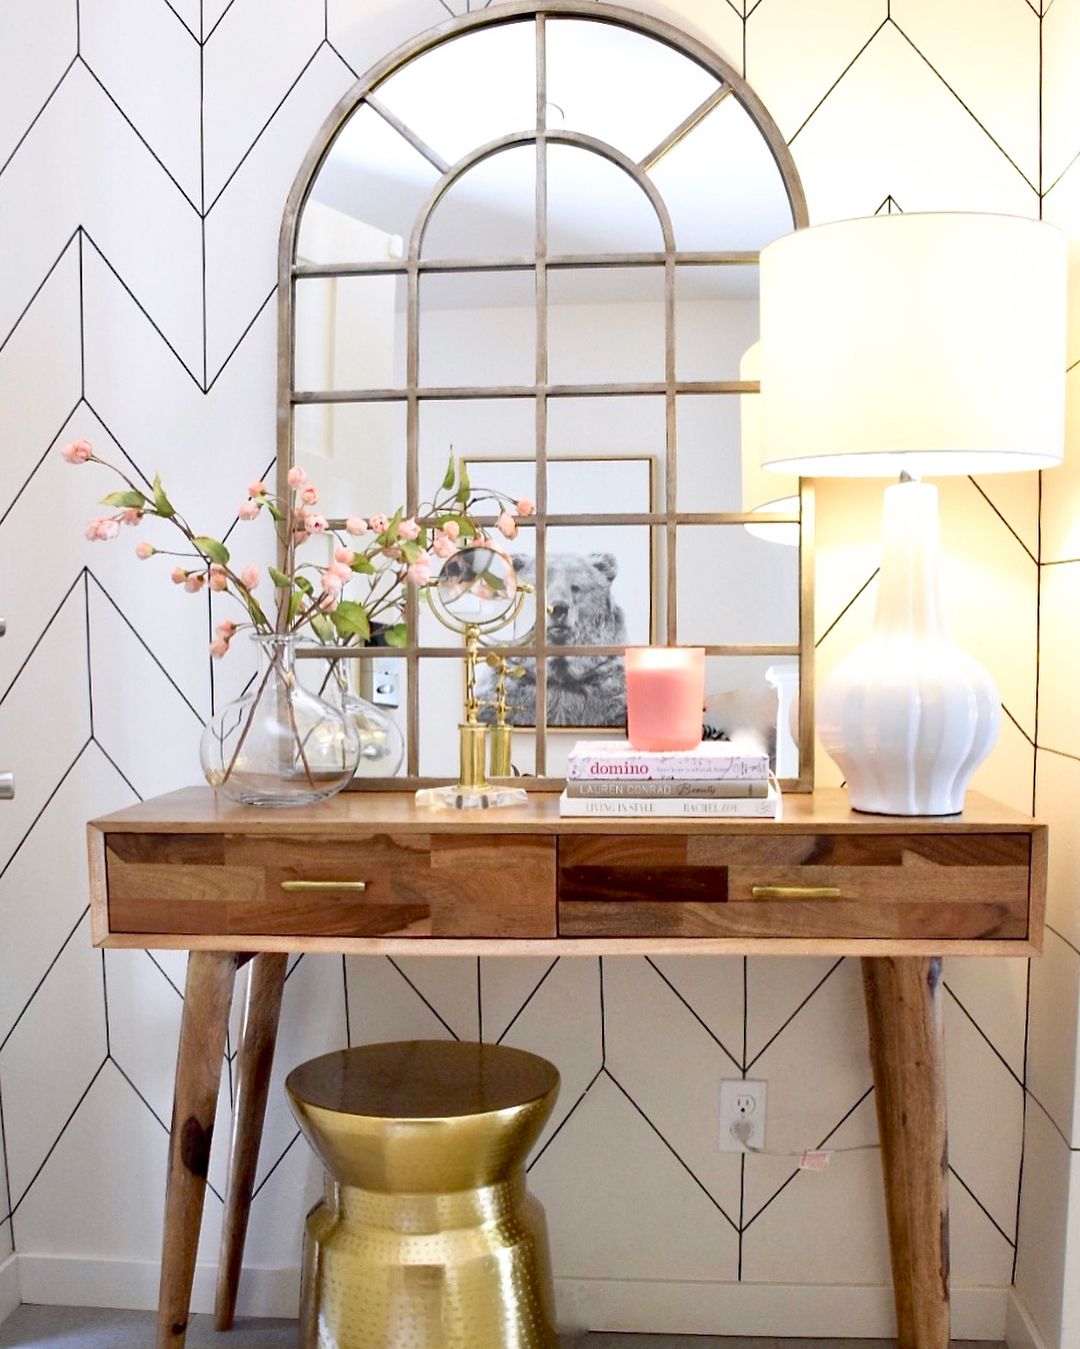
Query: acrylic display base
[(457, 797)]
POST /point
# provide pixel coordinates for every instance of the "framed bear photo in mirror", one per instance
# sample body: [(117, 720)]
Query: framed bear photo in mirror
[(499, 248)]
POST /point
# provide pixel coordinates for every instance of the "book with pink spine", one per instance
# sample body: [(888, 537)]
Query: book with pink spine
[(712, 760)]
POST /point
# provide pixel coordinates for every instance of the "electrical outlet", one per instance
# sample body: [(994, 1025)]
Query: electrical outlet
[(385, 686), (742, 1114)]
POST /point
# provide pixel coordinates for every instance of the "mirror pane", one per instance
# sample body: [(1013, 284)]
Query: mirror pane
[(475, 429), (490, 212), (722, 185), (756, 698), (622, 87), (594, 206), (708, 437), (630, 425), (478, 329), (350, 333), (468, 91), (716, 319), (606, 325), (372, 177), (735, 588), (354, 454)]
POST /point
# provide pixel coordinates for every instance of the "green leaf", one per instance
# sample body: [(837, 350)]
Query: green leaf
[(398, 635), (302, 583), (257, 616), (279, 578), (273, 508), (125, 499), (351, 620), (464, 486), (216, 552), (410, 551), (451, 474), (362, 565), (162, 504), (322, 628), (389, 534), (295, 600)]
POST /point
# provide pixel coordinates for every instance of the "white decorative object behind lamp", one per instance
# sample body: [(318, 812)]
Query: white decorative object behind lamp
[(911, 344)]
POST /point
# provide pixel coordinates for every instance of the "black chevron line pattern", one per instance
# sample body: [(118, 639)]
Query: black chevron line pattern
[(599, 1019)]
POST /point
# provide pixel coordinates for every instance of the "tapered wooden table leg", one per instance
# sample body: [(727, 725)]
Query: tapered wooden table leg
[(207, 999), (903, 1007), (251, 1086)]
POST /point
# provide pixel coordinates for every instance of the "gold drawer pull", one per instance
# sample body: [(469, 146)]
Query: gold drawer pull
[(324, 885), (795, 891)]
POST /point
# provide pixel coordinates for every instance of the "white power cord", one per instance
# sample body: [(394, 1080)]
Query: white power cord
[(810, 1159)]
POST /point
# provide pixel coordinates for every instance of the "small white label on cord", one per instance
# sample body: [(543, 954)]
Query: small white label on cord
[(815, 1161)]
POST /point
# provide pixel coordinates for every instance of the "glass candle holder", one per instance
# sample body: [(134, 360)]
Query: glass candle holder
[(665, 696)]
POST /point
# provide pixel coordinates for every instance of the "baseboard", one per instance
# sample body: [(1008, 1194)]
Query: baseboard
[(833, 1311), (1021, 1332), (9, 1286), (72, 1281)]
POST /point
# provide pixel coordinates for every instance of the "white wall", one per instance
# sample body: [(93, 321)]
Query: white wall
[(139, 227)]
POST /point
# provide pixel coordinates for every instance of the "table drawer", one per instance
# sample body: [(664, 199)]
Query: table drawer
[(408, 885), (953, 887)]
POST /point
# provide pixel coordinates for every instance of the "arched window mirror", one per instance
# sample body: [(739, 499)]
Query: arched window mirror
[(531, 237)]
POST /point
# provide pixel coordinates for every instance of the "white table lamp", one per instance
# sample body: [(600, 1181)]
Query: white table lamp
[(912, 344)]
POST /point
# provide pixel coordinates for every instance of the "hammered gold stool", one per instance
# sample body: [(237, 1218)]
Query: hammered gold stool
[(427, 1237)]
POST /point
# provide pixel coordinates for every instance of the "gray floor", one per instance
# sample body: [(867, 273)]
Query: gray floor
[(86, 1328)]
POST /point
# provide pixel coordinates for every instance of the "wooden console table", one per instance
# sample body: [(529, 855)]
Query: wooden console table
[(369, 873)]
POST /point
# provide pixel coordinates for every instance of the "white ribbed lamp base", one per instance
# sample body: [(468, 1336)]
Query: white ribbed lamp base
[(908, 717)]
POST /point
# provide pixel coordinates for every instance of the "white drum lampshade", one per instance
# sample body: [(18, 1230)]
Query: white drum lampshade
[(762, 490), (904, 345)]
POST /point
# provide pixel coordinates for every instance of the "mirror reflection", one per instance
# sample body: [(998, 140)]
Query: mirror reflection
[(563, 316)]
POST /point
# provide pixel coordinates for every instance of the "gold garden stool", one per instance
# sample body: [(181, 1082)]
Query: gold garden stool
[(427, 1237)]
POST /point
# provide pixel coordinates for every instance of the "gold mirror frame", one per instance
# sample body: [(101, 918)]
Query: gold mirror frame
[(413, 266)]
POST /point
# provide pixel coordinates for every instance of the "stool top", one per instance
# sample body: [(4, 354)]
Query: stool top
[(422, 1079)]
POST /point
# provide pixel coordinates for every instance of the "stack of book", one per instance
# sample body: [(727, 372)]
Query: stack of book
[(717, 778)]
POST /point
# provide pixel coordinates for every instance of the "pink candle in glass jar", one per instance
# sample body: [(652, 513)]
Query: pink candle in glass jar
[(665, 696)]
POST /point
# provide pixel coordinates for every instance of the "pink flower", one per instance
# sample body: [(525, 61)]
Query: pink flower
[(219, 580), (420, 570), (257, 488), (345, 556), (451, 529), (379, 523), (296, 477), (219, 647), (341, 570), (144, 550), (444, 545), (248, 510), (194, 583), (356, 526), (315, 524), (507, 525), (329, 601), (102, 528), (391, 552), (331, 581), (526, 507), (408, 529), (310, 495), (131, 516), (78, 452), (250, 576), (227, 628), (178, 576), (302, 537)]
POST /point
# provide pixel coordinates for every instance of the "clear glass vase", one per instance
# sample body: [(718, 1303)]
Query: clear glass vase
[(279, 744), (382, 744)]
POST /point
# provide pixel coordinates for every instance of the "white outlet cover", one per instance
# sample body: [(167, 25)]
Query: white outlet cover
[(742, 1098)]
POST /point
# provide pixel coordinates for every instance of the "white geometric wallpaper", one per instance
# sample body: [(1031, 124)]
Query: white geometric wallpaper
[(146, 148)]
